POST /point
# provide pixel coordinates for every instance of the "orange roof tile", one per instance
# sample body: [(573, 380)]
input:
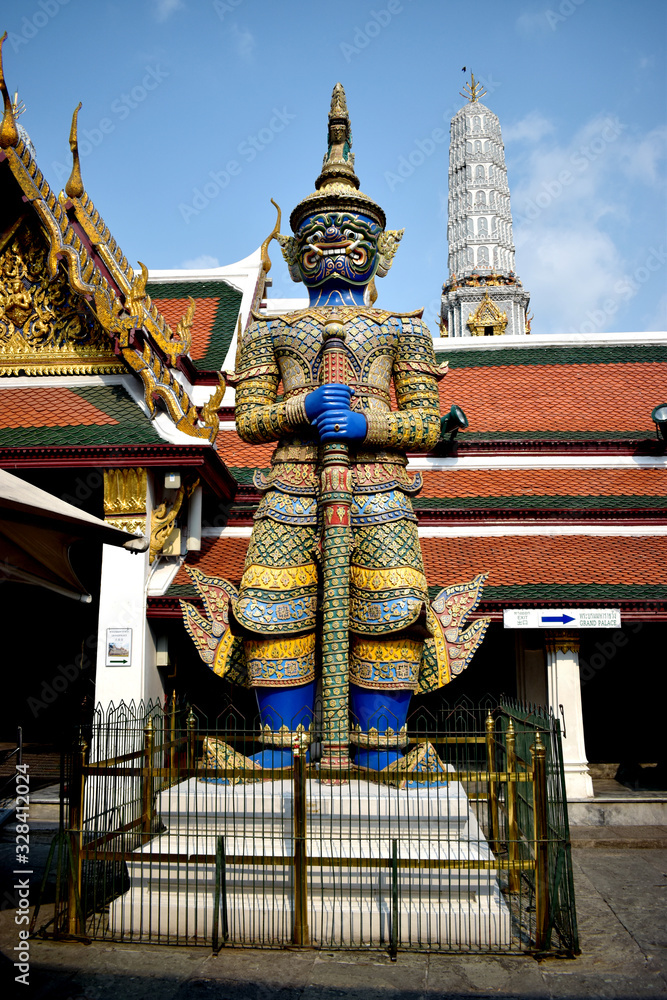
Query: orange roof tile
[(511, 561), (205, 309), (236, 453), (218, 557), (544, 482), (569, 397), (48, 407), (561, 559)]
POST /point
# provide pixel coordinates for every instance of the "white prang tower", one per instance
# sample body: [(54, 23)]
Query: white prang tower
[(482, 296)]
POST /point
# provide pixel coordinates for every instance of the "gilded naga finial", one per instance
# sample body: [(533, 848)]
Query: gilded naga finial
[(74, 187), (472, 91), (266, 260), (9, 134)]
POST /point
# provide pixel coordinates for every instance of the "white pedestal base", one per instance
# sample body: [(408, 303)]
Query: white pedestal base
[(350, 906)]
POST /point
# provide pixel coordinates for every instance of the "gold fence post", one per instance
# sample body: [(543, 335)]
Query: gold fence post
[(76, 805), (539, 753), (172, 738), (492, 784), (512, 819), (301, 934), (147, 783), (191, 724)]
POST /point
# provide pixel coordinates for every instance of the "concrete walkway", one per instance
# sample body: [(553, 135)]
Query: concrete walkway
[(622, 910)]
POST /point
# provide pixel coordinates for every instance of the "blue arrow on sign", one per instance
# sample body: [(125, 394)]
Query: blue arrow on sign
[(561, 619)]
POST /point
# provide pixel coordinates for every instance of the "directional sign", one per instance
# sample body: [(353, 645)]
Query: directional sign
[(119, 647), (562, 618)]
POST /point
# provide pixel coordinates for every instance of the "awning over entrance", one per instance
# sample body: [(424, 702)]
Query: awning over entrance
[(36, 532)]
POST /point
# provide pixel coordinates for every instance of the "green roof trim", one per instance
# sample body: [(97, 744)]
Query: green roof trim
[(184, 590), (133, 426), (243, 474), (224, 322), (543, 500), (559, 594), (569, 355), (559, 435)]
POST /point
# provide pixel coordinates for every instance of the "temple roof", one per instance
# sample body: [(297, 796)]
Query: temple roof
[(540, 568), (56, 251), (216, 314), (72, 415), (560, 393)]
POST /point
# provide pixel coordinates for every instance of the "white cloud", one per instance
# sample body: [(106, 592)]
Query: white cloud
[(201, 263), (641, 159), (573, 207), (532, 128), (532, 23), (559, 258), (658, 321), (244, 41), (165, 8)]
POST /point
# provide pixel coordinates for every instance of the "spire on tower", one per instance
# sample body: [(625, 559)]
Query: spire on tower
[(479, 232), (472, 91)]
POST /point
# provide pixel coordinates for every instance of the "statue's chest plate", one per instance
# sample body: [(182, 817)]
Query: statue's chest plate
[(370, 346)]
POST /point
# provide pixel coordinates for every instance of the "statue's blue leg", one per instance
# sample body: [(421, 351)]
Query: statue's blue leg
[(283, 713), (380, 717)]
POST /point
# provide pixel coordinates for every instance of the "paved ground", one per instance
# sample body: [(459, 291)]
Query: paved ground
[(622, 909)]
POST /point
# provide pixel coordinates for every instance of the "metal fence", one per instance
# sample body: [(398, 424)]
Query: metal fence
[(173, 835)]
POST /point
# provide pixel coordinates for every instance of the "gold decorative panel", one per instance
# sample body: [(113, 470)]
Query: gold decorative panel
[(45, 327), (125, 499), (487, 316)]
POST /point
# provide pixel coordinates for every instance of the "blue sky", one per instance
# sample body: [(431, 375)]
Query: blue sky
[(229, 98)]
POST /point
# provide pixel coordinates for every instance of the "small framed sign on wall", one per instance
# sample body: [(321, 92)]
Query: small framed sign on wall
[(119, 647)]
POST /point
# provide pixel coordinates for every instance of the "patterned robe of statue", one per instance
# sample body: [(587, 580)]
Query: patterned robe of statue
[(388, 591)]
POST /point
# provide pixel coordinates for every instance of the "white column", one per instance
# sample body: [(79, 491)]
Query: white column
[(123, 606), (565, 690), (123, 600)]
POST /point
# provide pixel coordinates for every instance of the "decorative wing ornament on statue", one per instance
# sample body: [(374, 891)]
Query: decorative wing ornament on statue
[(217, 647), (451, 647)]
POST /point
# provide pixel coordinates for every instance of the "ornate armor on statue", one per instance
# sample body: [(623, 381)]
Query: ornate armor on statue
[(354, 412)]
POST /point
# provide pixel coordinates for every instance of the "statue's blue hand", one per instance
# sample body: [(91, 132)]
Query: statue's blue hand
[(336, 395), (341, 425)]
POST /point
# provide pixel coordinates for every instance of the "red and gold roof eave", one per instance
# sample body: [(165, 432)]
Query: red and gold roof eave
[(97, 269), (198, 457)]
